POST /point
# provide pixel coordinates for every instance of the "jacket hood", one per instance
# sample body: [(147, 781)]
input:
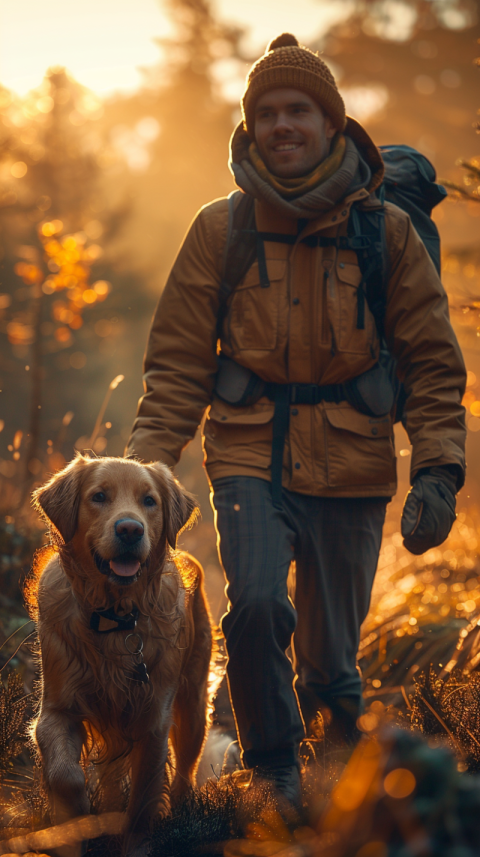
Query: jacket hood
[(368, 151)]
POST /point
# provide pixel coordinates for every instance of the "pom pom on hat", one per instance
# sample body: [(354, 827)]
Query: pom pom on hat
[(286, 40), (285, 64)]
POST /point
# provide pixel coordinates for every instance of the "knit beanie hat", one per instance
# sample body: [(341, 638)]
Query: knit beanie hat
[(286, 64)]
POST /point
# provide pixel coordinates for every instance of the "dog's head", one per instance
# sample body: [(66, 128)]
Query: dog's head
[(115, 513)]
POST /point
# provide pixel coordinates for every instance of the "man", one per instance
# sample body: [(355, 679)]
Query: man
[(305, 165)]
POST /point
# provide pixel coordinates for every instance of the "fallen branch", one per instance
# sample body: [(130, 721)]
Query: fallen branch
[(85, 827)]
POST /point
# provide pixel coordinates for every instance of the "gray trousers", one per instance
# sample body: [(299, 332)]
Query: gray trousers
[(335, 543)]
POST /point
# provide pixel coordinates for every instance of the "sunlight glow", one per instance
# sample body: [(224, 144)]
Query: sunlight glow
[(105, 45), (363, 102), (306, 19)]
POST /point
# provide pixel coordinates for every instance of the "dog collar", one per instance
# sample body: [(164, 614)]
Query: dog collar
[(106, 621)]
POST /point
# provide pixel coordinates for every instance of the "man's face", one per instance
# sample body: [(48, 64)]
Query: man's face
[(292, 132)]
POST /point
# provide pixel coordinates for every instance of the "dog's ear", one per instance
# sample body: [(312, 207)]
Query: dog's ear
[(180, 509), (58, 500)]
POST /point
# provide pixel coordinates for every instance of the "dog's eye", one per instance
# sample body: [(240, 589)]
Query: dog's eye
[(149, 501), (99, 497)]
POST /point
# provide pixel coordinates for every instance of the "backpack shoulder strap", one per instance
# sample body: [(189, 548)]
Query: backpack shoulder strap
[(373, 261), (240, 248)]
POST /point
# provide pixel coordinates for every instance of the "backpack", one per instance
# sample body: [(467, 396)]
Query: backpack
[(409, 182)]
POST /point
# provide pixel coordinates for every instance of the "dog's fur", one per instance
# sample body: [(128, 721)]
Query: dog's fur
[(89, 703)]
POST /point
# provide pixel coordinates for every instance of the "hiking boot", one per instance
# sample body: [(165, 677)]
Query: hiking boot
[(335, 722), (286, 782)]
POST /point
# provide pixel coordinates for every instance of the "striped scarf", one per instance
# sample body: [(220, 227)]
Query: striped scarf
[(291, 188)]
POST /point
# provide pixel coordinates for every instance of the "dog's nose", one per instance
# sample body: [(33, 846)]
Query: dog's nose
[(128, 530)]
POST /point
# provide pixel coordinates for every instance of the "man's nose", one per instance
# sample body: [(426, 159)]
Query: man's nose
[(128, 530), (282, 124)]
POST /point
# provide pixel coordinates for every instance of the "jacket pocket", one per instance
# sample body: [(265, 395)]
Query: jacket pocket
[(350, 338), (239, 435), (359, 449), (253, 314)]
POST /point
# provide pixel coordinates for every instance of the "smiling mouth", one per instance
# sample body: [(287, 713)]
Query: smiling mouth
[(123, 570), (286, 147)]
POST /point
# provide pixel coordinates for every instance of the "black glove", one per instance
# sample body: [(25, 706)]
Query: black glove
[(429, 510)]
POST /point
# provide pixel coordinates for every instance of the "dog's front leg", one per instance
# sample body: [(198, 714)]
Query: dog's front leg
[(60, 740), (148, 758)]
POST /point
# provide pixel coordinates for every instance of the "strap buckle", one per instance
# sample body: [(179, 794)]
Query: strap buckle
[(304, 394), (294, 390), (359, 242)]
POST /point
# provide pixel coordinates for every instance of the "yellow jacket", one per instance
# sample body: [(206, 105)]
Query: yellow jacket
[(301, 330)]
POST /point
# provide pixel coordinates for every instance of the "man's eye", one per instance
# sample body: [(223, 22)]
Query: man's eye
[(149, 501), (99, 497)]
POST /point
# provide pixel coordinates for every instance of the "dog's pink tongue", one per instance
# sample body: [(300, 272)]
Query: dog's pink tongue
[(125, 569)]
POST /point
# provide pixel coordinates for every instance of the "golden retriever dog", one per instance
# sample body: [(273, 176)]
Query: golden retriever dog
[(125, 640)]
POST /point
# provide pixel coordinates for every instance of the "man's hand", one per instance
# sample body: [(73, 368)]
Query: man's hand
[(429, 510)]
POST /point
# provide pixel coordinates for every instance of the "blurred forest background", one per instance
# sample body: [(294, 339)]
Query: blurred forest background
[(96, 195)]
